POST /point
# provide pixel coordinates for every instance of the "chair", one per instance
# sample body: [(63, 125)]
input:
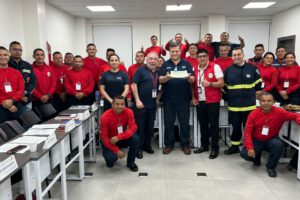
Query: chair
[(45, 111), (2, 137), (29, 118), (9, 132), (16, 126)]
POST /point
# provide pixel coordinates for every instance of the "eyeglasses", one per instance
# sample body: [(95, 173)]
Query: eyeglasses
[(15, 49)]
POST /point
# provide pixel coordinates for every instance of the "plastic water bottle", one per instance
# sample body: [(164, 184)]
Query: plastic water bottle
[(97, 97)]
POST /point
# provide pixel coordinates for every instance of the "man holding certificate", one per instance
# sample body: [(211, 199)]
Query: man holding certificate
[(177, 76)]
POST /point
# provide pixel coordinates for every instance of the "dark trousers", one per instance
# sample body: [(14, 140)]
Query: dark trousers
[(133, 144), (59, 104), (72, 101), (182, 111), (39, 102), (144, 119), (274, 146), (6, 115), (208, 116), (238, 121)]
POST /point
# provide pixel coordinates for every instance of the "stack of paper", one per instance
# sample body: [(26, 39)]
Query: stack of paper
[(82, 107), (34, 142), (7, 146)]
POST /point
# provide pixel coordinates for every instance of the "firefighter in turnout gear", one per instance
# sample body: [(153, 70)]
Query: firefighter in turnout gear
[(242, 81)]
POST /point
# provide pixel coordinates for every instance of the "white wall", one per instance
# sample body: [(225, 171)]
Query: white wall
[(284, 24), (60, 30), (11, 22)]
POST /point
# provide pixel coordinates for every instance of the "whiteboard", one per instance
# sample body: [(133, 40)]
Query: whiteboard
[(116, 36), (253, 32), (189, 30)]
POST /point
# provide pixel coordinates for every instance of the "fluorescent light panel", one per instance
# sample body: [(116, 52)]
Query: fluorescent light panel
[(101, 8), (178, 7), (252, 5)]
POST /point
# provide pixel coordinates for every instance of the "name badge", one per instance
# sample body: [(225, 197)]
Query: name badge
[(199, 90), (7, 87), (101, 102), (154, 93), (286, 84), (78, 86), (120, 129), (265, 130), (62, 80), (263, 85), (159, 87)]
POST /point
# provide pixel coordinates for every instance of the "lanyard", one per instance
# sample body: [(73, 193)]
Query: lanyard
[(200, 76), (154, 80)]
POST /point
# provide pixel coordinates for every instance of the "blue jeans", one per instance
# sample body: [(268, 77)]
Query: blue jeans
[(182, 111), (133, 144), (274, 146)]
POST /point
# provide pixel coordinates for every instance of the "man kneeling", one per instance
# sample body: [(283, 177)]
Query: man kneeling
[(118, 131), (261, 133)]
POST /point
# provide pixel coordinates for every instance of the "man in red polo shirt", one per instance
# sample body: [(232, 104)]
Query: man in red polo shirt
[(60, 70), (207, 46), (183, 47), (45, 79), (262, 130), (118, 129), (11, 89), (224, 60)]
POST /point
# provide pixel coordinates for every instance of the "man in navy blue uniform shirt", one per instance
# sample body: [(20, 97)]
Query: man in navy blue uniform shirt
[(177, 98), (144, 88)]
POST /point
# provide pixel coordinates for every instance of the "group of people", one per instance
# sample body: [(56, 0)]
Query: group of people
[(212, 71)]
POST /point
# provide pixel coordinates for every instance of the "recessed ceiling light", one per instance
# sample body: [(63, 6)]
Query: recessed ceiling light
[(258, 5), (101, 8), (178, 7)]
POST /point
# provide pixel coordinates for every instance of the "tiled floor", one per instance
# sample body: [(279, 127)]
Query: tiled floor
[(173, 177)]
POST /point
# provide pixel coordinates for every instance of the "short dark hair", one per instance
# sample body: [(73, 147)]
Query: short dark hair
[(269, 53), (153, 36), (289, 53), (38, 49), (224, 44), (280, 47), (13, 43), (110, 49), (68, 53), (120, 97), (266, 94), (90, 44), (174, 44), (225, 33), (161, 58), (113, 55), (3, 48), (178, 34), (259, 45), (202, 51), (208, 34), (78, 56), (193, 44), (55, 53), (139, 52)]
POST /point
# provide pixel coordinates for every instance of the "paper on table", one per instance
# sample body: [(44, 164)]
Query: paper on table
[(179, 74), (46, 126), (7, 166), (79, 107), (29, 140), (7, 146), (40, 132)]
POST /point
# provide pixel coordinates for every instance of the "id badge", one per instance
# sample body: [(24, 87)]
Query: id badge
[(78, 86), (199, 90), (286, 84), (265, 130), (159, 87), (101, 102), (120, 129), (154, 93), (7, 87), (263, 85), (62, 80)]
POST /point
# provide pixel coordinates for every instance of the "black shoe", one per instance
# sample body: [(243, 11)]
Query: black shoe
[(214, 154), (109, 165), (201, 150), (271, 172), (133, 167), (232, 150), (139, 155), (149, 150)]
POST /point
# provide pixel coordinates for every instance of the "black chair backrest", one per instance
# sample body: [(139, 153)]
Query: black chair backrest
[(16, 126), (3, 136), (1, 141), (29, 118), (10, 133), (45, 111)]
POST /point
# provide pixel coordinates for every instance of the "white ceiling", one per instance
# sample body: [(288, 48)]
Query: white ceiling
[(156, 8)]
